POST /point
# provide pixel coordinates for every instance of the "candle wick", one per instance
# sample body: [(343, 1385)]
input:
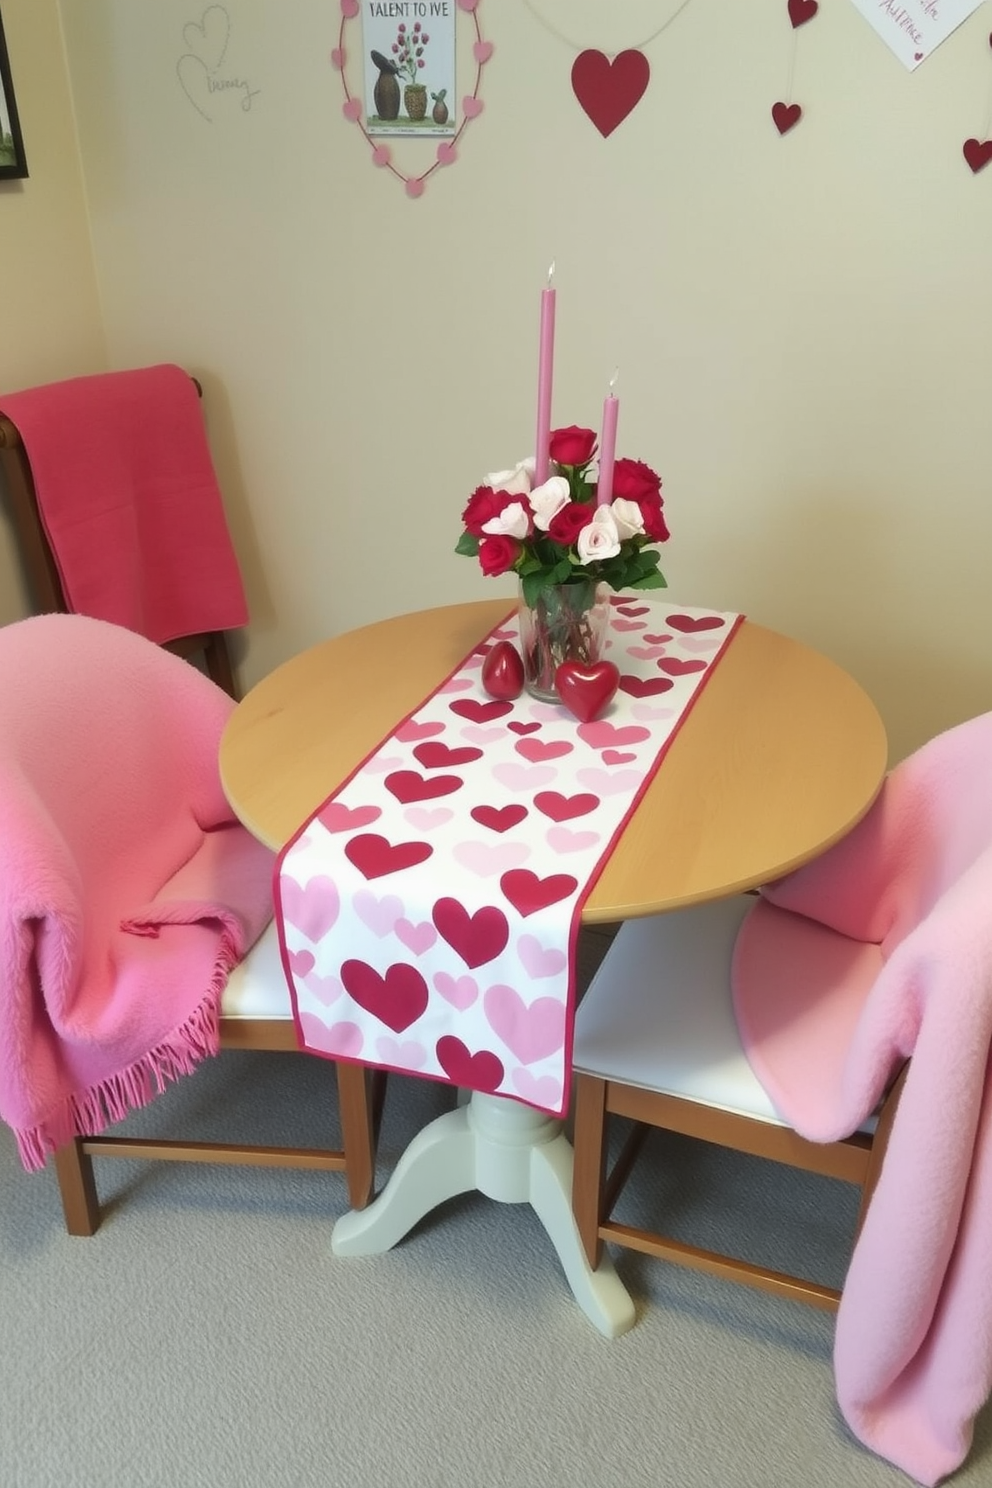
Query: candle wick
[(613, 379)]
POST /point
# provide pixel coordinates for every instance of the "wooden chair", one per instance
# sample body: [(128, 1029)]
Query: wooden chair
[(255, 1015), (42, 573), (656, 1041)]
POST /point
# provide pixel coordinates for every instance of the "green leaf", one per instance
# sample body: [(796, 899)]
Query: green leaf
[(467, 545), (652, 580)]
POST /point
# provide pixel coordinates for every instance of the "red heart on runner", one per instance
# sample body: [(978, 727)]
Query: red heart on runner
[(608, 90), (617, 757), (632, 610), (523, 728), (675, 668), (480, 712), (407, 786), (498, 819), (564, 808), (645, 686), (374, 857), (482, 1071), (586, 690), (477, 938), (396, 999), (528, 893), (656, 640), (431, 756), (339, 818), (690, 625)]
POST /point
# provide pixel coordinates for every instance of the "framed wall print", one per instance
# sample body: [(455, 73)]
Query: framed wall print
[(13, 162)]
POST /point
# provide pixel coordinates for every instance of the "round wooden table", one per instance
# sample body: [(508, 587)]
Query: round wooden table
[(779, 756)]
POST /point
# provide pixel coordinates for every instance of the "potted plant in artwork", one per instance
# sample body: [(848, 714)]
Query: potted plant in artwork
[(408, 49)]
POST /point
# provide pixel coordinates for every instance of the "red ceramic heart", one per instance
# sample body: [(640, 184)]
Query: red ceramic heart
[(586, 690), (503, 671), (608, 90)]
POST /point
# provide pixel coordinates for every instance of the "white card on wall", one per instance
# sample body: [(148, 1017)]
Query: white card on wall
[(915, 28)]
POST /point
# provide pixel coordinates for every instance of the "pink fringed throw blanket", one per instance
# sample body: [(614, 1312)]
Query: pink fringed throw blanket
[(130, 502), (127, 889), (879, 951)]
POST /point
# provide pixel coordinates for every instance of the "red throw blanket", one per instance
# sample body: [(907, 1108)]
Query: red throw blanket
[(127, 888), (130, 502)]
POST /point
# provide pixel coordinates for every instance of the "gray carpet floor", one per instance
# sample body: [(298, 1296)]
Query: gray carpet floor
[(206, 1337)]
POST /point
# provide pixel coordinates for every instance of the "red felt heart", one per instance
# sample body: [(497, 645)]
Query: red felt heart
[(978, 153), (786, 115), (563, 808), (482, 1071), (801, 11), (645, 686), (586, 690), (498, 819), (374, 857), (396, 999), (607, 91), (435, 754), (477, 938), (407, 786), (528, 893)]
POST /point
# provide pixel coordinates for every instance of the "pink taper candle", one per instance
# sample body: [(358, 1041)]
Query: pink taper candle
[(545, 373), (608, 446)]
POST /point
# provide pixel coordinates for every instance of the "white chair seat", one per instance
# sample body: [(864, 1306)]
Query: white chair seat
[(257, 986), (659, 1012)]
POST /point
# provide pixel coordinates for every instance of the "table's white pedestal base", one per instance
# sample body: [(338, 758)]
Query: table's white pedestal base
[(511, 1153)]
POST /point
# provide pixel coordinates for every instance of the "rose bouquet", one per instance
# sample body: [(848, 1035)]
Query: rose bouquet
[(566, 547)]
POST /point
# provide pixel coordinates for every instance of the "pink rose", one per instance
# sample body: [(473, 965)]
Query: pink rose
[(497, 555), (572, 446), (634, 481), (566, 525)]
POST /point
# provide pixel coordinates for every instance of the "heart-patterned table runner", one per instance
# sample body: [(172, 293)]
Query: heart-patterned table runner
[(428, 911)]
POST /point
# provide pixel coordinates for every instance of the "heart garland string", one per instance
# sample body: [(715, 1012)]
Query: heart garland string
[(977, 152), (472, 105), (608, 85), (786, 115)]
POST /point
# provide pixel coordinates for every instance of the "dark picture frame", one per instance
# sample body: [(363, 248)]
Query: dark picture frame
[(13, 161)]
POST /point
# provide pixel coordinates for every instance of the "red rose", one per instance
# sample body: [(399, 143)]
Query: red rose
[(653, 518), (634, 481), (569, 522), (484, 504), (572, 446), (498, 554)]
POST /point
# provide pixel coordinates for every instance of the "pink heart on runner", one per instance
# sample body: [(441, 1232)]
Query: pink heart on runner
[(408, 1055), (375, 857), (617, 757), (537, 750), (432, 756), (396, 999), (478, 937), (563, 808), (700, 643), (472, 107), (380, 763), (340, 1040), (528, 893), (645, 653), (629, 624), (407, 786), (531, 1033), (690, 625), (352, 109), (301, 962), (311, 910), (676, 668), (337, 817), (417, 938), (326, 989), (652, 711), (411, 730), (645, 686), (596, 735), (457, 684), (610, 784), (543, 1091), (563, 840), (461, 991), (524, 777), (483, 736), (498, 819), (482, 1071), (540, 961), (428, 818), (486, 859), (380, 915)]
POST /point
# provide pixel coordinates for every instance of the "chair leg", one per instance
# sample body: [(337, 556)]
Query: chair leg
[(589, 1170), (77, 1188), (357, 1111), (217, 658)]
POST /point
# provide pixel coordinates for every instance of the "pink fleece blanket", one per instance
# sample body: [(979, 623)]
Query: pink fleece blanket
[(879, 951), (130, 502), (127, 889)]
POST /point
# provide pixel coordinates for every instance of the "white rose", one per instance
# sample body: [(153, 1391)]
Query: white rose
[(598, 538), (513, 521), (627, 515), (516, 481), (547, 501)]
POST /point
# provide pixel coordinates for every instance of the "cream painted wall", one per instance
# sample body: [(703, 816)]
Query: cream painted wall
[(50, 319), (802, 324)]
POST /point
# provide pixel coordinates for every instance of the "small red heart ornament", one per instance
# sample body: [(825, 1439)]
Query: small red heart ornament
[(587, 689), (801, 11), (786, 115), (503, 671), (978, 153)]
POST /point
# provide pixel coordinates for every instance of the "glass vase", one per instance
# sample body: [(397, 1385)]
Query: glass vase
[(567, 622)]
